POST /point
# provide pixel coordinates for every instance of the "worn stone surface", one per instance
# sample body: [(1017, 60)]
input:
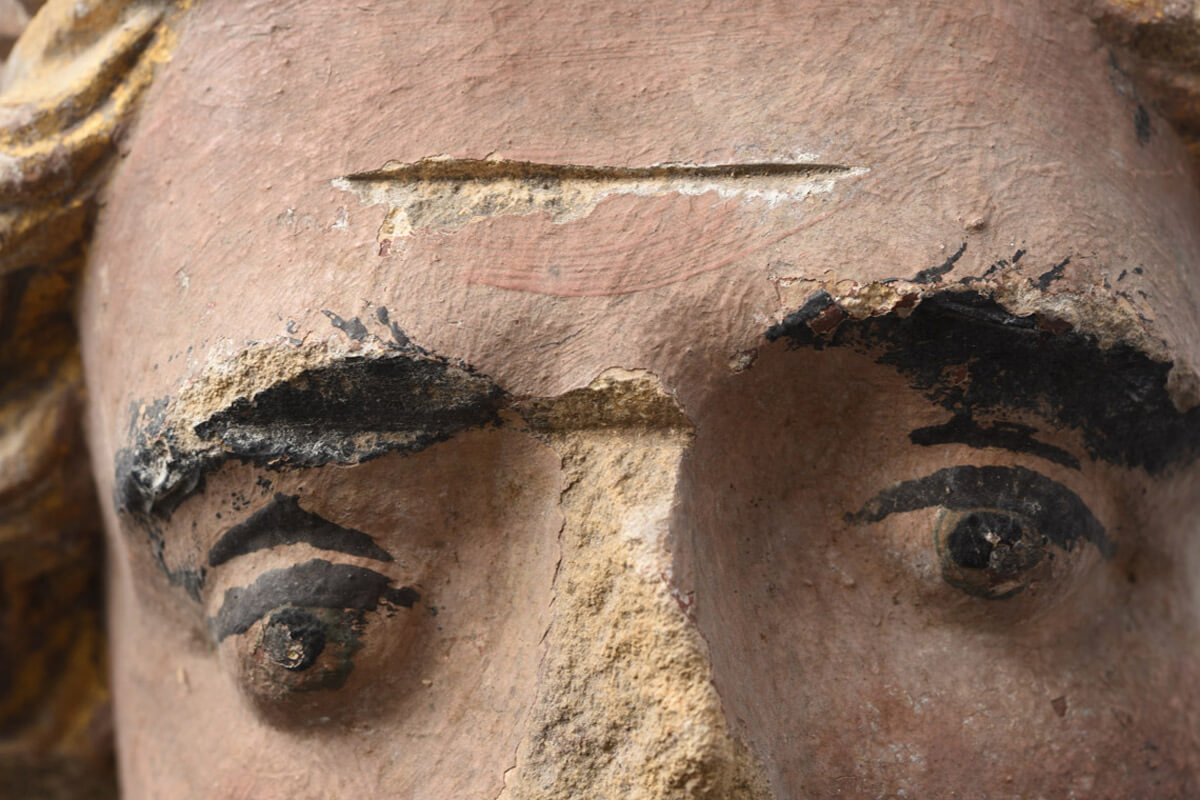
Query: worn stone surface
[(626, 705)]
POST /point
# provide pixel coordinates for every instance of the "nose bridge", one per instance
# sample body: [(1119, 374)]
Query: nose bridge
[(625, 706)]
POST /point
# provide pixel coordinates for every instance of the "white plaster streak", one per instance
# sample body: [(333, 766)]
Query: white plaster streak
[(645, 531), (448, 194)]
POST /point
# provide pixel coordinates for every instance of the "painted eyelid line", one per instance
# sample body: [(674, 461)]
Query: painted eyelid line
[(1011, 436), (313, 584), (283, 522), (1059, 513)]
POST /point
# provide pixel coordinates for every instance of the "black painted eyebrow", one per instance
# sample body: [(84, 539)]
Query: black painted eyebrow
[(335, 413), (345, 412), (282, 522), (1011, 436), (1057, 512), (977, 360), (313, 584)]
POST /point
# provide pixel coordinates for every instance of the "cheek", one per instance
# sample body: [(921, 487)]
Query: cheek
[(844, 656), (851, 656)]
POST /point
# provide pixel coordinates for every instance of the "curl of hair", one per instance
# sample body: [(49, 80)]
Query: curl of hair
[(72, 82), (1155, 44)]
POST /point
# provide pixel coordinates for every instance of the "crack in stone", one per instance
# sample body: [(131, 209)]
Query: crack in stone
[(447, 194)]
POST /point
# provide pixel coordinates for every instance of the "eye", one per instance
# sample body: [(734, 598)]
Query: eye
[(291, 662), (999, 528), (294, 639), (990, 553), (291, 639), (302, 649)]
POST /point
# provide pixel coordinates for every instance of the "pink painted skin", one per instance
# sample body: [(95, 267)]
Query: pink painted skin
[(842, 656)]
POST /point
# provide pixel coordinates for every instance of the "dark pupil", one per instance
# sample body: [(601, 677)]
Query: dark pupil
[(294, 638), (977, 534)]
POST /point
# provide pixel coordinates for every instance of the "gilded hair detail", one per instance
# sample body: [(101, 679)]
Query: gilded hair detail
[(71, 83)]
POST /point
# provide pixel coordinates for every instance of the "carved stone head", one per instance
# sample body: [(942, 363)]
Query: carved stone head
[(623, 400)]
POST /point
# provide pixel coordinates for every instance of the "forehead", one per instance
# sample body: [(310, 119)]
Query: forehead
[(253, 203)]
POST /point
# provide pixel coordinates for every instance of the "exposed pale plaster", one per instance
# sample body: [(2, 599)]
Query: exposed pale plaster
[(626, 706), (447, 194)]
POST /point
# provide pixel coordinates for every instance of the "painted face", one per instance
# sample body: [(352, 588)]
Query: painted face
[(556, 402)]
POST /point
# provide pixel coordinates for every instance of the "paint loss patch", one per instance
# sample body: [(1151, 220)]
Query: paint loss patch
[(449, 194)]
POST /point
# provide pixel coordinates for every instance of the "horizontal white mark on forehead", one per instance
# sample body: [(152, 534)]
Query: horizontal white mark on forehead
[(449, 194)]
